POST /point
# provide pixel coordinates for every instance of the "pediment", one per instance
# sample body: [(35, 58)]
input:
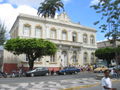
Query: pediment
[(64, 17)]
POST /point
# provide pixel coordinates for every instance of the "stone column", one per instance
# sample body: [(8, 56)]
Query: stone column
[(69, 33), (70, 54), (32, 31), (44, 31), (59, 32)]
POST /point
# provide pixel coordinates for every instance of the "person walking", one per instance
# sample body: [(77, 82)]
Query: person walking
[(106, 82)]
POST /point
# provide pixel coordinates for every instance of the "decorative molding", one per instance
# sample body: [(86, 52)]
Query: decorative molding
[(52, 62)]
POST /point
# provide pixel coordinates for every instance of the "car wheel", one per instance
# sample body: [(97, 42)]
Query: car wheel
[(64, 73), (47, 74), (32, 75)]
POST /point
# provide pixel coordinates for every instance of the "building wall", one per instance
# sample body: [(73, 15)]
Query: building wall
[(66, 48), (1, 59), (104, 44)]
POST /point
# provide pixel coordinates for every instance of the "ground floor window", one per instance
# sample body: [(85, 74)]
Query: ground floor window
[(75, 57), (52, 58)]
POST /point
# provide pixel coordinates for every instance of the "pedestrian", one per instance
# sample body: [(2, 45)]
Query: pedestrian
[(106, 82)]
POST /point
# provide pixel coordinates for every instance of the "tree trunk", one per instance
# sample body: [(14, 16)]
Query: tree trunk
[(31, 64)]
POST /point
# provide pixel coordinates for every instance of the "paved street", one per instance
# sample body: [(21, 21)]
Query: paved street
[(62, 82), (46, 78)]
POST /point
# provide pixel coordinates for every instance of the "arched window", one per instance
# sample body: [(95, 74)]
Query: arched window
[(26, 30), (92, 39), (85, 38), (64, 35), (74, 37), (38, 32), (85, 57), (75, 57), (92, 57), (53, 34)]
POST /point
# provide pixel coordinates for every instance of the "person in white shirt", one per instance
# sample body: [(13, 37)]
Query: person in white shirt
[(106, 82)]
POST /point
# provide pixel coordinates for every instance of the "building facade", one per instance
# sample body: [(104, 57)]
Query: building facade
[(76, 43), (1, 59), (104, 44)]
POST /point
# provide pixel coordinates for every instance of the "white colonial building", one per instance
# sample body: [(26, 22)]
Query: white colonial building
[(76, 43)]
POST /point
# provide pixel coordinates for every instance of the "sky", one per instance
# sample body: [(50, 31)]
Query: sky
[(77, 10)]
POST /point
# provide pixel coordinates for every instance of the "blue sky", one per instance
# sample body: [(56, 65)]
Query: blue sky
[(77, 10)]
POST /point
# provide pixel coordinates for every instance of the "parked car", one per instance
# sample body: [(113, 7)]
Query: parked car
[(68, 70), (117, 67), (100, 69), (38, 72), (2, 74)]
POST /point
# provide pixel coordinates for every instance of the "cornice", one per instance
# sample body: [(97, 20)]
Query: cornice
[(56, 21)]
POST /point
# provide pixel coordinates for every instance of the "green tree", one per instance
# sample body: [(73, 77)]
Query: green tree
[(48, 8), (32, 48), (2, 33), (110, 18), (117, 51), (106, 54)]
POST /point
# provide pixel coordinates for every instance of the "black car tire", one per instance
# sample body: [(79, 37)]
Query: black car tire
[(32, 75)]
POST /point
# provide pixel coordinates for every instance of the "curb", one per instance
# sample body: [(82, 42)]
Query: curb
[(86, 86)]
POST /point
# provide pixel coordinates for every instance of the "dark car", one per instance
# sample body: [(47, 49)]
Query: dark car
[(38, 72), (2, 74), (68, 70)]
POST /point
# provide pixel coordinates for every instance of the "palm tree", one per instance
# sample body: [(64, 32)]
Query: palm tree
[(48, 8)]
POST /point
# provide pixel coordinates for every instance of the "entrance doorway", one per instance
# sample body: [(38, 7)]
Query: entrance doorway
[(64, 59)]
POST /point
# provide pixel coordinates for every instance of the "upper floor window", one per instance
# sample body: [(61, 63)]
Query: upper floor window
[(85, 40), (64, 35), (52, 58), (38, 32), (92, 39), (74, 37), (92, 57), (26, 30), (85, 57), (75, 57), (53, 34)]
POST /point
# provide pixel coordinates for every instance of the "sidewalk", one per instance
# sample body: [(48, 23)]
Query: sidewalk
[(71, 84), (98, 87)]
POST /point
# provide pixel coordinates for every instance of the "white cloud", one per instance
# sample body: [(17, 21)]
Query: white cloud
[(26, 10), (32, 3), (94, 2), (9, 13), (1, 0)]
